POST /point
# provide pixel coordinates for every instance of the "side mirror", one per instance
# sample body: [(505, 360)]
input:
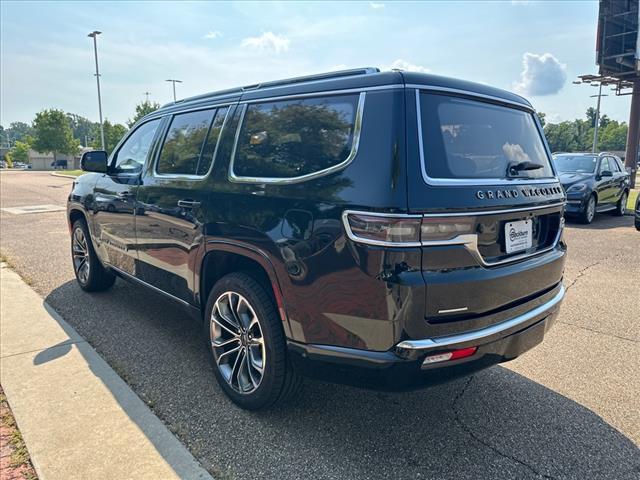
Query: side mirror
[(95, 161), (606, 173)]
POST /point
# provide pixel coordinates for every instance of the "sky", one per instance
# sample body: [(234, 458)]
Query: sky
[(534, 48)]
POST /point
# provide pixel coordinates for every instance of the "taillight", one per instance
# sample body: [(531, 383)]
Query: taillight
[(404, 230), (382, 229)]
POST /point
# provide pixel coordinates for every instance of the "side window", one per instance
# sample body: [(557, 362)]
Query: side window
[(183, 144), (604, 165), (615, 168), (133, 153), (290, 138), (209, 149)]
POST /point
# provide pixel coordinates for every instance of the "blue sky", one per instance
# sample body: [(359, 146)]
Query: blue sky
[(533, 47)]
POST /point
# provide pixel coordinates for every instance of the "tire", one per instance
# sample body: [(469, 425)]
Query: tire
[(589, 212), (243, 332), (621, 206), (90, 273)]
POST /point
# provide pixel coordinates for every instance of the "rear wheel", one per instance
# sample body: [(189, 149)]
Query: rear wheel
[(90, 274), (247, 344), (621, 206), (589, 211)]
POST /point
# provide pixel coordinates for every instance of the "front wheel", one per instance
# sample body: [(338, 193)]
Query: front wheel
[(589, 211), (90, 274), (621, 206), (247, 344)]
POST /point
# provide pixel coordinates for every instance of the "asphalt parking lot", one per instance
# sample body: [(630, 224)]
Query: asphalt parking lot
[(568, 409)]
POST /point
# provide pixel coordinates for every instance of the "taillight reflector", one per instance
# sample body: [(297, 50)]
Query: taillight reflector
[(448, 356)]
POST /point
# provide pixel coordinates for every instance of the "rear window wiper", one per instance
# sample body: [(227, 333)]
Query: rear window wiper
[(514, 168)]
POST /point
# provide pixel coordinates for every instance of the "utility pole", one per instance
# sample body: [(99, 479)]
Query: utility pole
[(146, 94), (633, 134), (174, 81), (597, 125), (94, 35)]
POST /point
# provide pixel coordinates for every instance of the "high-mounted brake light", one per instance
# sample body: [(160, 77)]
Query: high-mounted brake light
[(448, 356), (404, 230)]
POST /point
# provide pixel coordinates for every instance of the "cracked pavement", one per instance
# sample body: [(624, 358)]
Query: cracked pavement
[(567, 409)]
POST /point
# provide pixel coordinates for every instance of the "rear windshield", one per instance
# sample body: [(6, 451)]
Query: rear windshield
[(465, 138), (575, 163)]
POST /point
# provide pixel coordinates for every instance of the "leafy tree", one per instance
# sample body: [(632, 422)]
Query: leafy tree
[(142, 109), (113, 132), (81, 127), (53, 133), (542, 117), (591, 116), (16, 131), (20, 152), (3, 136), (613, 136)]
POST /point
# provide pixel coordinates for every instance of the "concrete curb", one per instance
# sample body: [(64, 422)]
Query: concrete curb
[(78, 418), (55, 174)]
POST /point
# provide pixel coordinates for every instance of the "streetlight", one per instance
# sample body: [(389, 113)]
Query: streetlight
[(174, 81), (586, 79), (94, 35)]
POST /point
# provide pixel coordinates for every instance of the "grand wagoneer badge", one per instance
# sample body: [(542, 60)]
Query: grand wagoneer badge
[(515, 193)]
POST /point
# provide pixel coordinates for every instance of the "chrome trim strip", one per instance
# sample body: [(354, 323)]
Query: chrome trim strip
[(377, 243), (357, 128), (493, 212), (477, 337), (142, 282), (464, 181), (470, 93), (321, 93), (454, 310)]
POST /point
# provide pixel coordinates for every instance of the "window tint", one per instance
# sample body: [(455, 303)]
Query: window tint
[(209, 149), (296, 137), (183, 144), (465, 138), (604, 165), (133, 152), (615, 168)]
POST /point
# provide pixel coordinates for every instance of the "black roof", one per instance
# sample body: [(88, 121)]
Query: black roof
[(341, 80)]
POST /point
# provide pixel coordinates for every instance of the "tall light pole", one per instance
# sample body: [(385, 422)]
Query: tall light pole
[(597, 123), (146, 94), (94, 35), (174, 81)]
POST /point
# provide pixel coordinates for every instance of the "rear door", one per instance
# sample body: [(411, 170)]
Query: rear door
[(620, 178), (491, 202), (605, 185), (174, 193)]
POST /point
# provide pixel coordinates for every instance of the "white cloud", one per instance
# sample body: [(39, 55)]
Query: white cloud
[(401, 64), (267, 42), (213, 34), (376, 5), (541, 75)]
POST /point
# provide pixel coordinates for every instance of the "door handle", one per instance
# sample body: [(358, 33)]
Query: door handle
[(188, 203), (125, 194)]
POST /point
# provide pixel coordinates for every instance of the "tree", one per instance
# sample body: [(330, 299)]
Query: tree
[(20, 152), (81, 127), (16, 131), (542, 117), (8, 159), (613, 136), (142, 109), (53, 133), (591, 116), (113, 132)]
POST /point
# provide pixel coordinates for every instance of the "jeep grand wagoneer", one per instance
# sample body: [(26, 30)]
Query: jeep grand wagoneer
[(389, 230)]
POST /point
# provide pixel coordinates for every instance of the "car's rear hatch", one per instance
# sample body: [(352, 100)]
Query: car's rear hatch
[(492, 206)]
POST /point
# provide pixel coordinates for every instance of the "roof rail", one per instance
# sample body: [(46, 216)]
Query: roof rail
[(311, 78), (277, 83)]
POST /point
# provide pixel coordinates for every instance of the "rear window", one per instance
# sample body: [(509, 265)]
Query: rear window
[(471, 139), (291, 138)]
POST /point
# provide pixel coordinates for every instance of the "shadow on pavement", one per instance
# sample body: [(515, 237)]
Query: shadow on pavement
[(496, 424), (602, 221)]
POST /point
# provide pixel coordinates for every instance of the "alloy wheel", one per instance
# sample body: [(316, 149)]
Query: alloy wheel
[(237, 342), (591, 209), (80, 255), (623, 203)]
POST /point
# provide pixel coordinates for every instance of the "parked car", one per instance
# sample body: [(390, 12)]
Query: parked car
[(637, 213), (59, 164), (593, 183), (388, 230)]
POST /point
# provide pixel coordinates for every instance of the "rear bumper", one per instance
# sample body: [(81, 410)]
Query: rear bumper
[(401, 367)]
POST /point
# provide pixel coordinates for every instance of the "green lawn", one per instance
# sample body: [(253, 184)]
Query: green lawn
[(74, 173), (631, 202)]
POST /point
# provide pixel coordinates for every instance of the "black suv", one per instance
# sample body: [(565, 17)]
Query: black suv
[(387, 230), (593, 183)]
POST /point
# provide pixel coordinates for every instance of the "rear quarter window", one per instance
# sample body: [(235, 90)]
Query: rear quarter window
[(292, 138), (464, 138)]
